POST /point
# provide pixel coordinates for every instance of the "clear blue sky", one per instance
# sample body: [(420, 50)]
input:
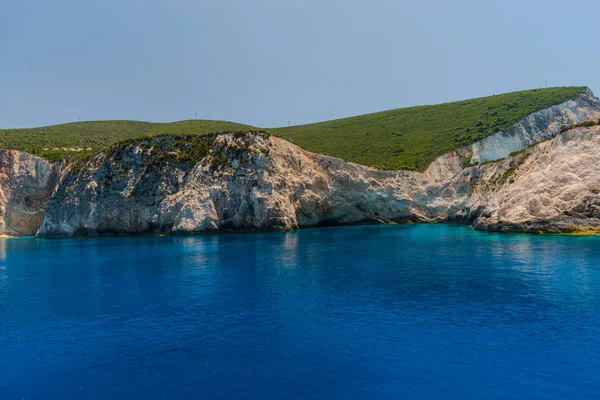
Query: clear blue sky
[(267, 62)]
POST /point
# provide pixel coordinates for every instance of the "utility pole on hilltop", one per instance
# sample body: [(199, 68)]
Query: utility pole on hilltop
[(195, 115)]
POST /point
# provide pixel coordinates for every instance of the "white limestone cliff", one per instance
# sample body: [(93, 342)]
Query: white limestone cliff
[(256, 182), (26, 184)]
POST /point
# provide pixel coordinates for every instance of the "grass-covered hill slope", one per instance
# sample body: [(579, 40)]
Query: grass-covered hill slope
[(45, 140), (411, 138), (404, 138)]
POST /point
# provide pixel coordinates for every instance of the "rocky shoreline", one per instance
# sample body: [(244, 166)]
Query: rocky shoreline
[(531, 178)]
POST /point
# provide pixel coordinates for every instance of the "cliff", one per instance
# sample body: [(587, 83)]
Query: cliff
[(553, 186), (256, 182), (26, 185)]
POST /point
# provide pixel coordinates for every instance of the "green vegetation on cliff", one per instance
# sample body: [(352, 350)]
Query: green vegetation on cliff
[(404, 138), (411, 138), (55, 141)]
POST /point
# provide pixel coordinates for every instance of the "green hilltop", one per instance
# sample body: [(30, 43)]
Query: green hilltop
[(411, 138), (405, 138), (49, 141)]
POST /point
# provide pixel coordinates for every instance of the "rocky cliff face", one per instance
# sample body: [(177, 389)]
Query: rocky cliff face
[(266, 183), (248, 182), (26, 185), (553, 186), (536, 127)]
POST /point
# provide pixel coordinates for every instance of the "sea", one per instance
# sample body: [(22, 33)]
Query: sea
[(362, 312)]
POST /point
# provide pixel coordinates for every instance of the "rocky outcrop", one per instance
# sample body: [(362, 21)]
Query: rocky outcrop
[(538, 126), (26, 185), (172, 185), (239, 182), (553, 186), (256, 182)]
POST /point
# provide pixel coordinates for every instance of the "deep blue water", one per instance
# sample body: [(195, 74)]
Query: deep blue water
[(371, 312)]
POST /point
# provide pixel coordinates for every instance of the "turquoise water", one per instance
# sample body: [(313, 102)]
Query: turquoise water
[(370, 312)]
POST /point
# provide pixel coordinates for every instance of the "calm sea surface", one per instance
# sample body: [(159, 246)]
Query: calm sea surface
[(372, 312)]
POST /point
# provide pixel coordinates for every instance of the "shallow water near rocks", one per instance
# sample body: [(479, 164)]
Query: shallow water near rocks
[(364, 312)]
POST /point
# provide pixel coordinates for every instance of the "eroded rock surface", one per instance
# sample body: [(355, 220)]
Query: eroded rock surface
[(538, 126), (552, 187), (26, 185)]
